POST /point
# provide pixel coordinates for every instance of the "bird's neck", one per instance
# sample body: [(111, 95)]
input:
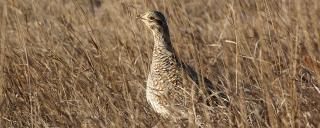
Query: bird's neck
[(162, 42)]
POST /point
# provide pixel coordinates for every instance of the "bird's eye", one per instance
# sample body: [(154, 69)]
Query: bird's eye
[(151, 18)]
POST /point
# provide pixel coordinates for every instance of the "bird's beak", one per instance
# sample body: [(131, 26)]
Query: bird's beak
[(140, 17)]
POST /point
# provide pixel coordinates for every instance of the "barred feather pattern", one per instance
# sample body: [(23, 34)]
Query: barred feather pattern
[(164, 76)]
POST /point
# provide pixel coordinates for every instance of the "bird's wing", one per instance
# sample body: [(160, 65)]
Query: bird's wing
[(211, 89)]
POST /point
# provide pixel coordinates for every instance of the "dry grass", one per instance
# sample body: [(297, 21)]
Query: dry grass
[(73, 64)]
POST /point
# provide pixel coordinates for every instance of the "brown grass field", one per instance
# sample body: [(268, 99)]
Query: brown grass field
[(81, 63)]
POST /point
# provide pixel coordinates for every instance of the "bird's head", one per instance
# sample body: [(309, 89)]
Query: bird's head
[(154, 20)]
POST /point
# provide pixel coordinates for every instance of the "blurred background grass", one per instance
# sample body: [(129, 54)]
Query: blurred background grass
[(84, 63)]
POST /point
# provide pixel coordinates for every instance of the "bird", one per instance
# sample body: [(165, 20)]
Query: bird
[(166, 69)]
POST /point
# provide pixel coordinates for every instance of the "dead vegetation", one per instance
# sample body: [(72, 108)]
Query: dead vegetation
[(82, 63)]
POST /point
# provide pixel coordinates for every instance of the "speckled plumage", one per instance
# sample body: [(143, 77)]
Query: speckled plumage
[(165, 72)]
